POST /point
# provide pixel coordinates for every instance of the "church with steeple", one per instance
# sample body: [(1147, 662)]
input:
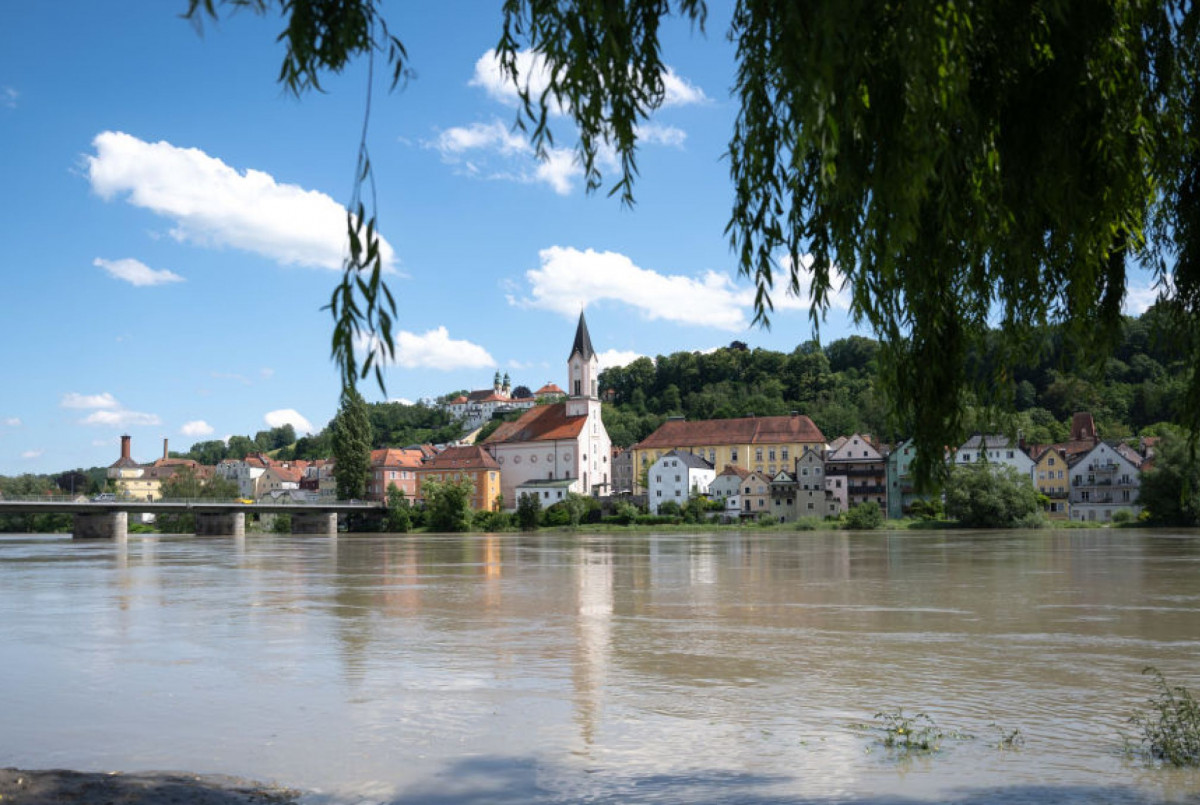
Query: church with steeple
[(562, 447)]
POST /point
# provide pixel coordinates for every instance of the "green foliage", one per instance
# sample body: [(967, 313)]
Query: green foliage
[(984, 495), (908, 735), (448, 504), (282, 524), (1171, 728), (32, 486), (624, 513), (529, 512), (863, 517), (670, 509), (576, 506), (400, 425), (493, 521), (398, 519), (926, 509), (807, 523), (351, 443), (1170, 492)]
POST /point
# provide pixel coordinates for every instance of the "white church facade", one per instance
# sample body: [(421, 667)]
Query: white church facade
[(563, 441)]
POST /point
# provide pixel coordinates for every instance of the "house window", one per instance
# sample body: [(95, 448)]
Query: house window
[(785, 454), (1050, 462), (733, 454), (771, 454), (758, 454), (676, 493)]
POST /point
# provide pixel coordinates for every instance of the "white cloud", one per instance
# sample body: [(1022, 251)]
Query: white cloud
[(533, 74), (612, 358), (32, 454), (681, 92), (136, 272), (569, 280), (197, 427), (401, 401), (8, 97), (215, 205), (288, 416), (493, 136), (120, 418), (658, 134), (13, 422), (492, 151), (266, 373), (1140, 297), (104, 400), (435, 349), (108, 410)]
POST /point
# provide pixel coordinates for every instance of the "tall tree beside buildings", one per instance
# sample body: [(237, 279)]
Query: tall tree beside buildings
[(352, 446), (1170, 492)]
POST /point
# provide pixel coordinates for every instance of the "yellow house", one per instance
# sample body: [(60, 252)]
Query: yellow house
[(1051, 478), (765, 444), (472, 463)]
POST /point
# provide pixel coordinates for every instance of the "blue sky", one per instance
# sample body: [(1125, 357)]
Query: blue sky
[(172, 225)]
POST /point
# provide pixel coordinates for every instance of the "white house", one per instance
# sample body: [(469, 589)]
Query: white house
[(563, 440), (728, 487), (997, 449), (678, 476), (1104, 482)]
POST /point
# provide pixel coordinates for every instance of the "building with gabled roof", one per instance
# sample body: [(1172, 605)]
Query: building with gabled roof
[(862, 468), (678, 476), (469, 462), (1104, 482), (727, 486), (762, 444), (393, 466), (562, 440)]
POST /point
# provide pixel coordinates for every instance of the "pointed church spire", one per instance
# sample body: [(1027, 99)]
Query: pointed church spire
[(583, 341)]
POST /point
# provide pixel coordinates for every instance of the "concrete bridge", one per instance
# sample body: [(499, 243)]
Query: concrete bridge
[(109, 519)]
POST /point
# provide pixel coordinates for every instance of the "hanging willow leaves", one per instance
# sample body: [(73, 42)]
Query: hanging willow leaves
[(952, 164)]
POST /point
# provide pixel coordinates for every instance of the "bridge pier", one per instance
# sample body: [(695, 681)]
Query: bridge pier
[(220, 524), (101, 525), (314, 523)]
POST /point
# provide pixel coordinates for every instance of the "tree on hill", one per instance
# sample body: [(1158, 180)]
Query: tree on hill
[(351, 444), (946, 164)]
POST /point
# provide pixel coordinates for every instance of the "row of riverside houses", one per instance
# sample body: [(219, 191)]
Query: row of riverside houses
[(781, 468)]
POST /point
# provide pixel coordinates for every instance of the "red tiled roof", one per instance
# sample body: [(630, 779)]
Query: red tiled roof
[(747, 430), (288, 474), (540, 423), (395, 457), (733, 469), (549, 388), (472, 457)]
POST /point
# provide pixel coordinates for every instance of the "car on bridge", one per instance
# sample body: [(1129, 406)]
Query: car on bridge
[(104, 497)]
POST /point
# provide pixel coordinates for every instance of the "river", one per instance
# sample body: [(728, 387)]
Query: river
[(558, 668)]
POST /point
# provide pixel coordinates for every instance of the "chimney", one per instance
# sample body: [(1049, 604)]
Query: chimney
[(125, 446), (164, 449)]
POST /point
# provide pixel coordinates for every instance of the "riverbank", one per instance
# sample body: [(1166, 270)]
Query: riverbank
[(54, 786)]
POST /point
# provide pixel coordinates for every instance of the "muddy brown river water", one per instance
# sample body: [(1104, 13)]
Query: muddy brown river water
[(556, 668)]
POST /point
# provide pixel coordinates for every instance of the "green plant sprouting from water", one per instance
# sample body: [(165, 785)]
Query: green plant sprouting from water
[(909, 735), (1171, 726), (1006, 738)]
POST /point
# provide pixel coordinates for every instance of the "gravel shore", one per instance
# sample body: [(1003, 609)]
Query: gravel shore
[(53, 786)]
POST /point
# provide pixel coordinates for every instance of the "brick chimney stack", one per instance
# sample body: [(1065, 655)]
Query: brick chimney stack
[(125, 446), (164, 449)]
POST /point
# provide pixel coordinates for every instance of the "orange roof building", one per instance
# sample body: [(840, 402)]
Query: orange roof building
[(392, 466), (472, 463), (761, 444)]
